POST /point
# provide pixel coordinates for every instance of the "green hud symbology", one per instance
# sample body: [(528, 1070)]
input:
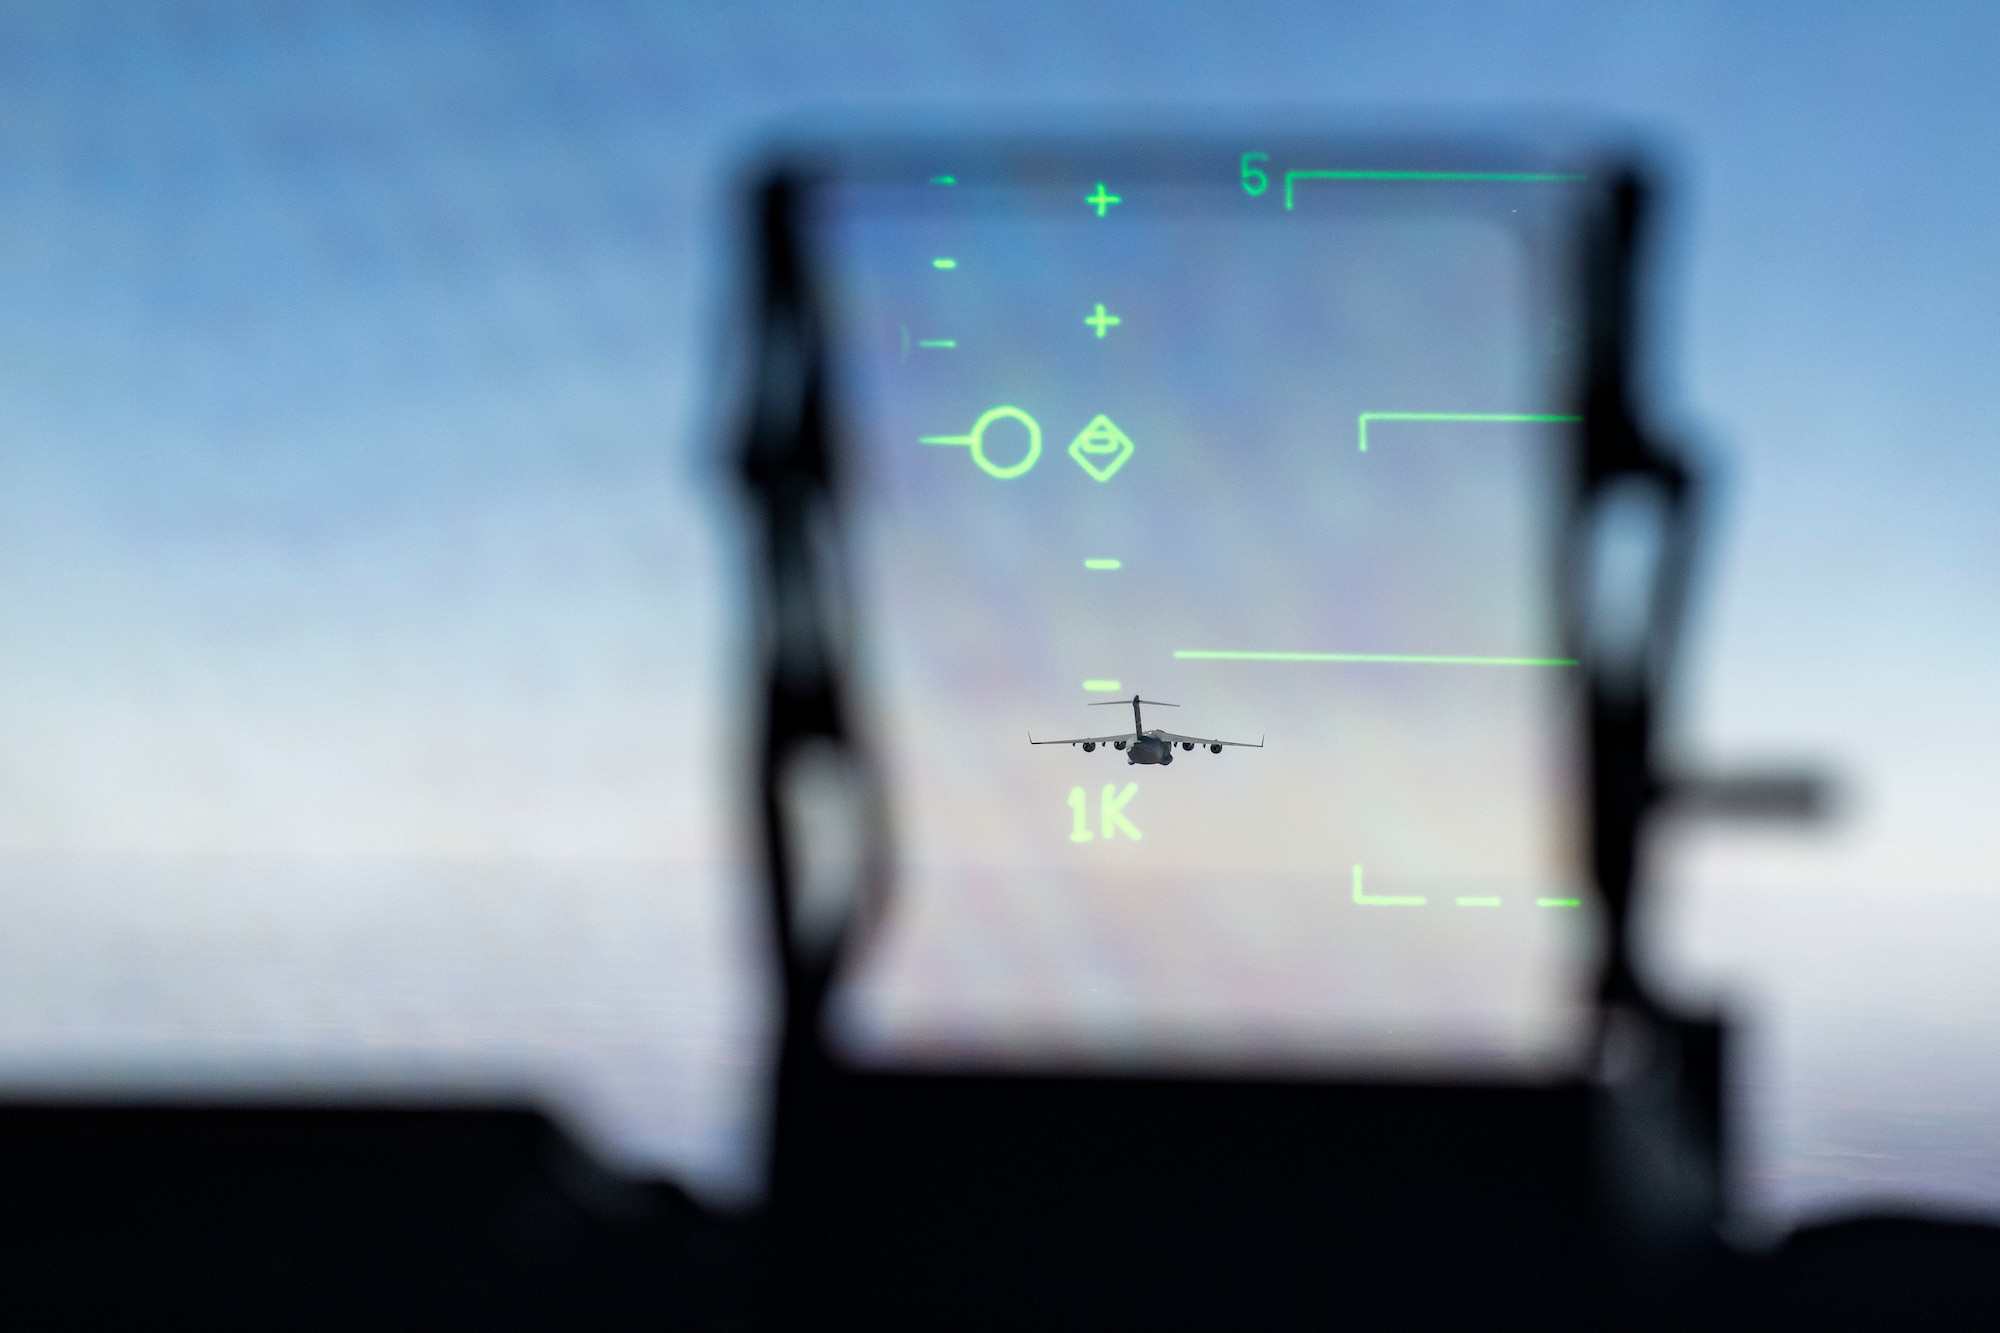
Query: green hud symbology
[(1100, 448), (1361, 420), (975, 441), (1276, 433)]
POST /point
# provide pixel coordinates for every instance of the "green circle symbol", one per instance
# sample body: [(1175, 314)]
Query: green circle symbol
[(978, 436)]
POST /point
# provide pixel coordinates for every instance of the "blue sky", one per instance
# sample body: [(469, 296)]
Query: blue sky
[(251, 250)]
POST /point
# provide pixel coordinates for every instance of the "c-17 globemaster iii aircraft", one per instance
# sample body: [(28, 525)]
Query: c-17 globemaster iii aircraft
[(1143, 746)]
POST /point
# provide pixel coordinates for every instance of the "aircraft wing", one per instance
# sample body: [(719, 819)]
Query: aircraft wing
[(1257, 744), (1083, 740)]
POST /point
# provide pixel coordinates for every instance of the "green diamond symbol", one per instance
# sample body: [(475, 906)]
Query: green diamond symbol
[(1101, 448)]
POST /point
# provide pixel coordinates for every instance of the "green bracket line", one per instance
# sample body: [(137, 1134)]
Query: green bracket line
[(937, 342), (1490, 177), (1361, 422), (1380, 900), (1558, 902), (1405, 659)]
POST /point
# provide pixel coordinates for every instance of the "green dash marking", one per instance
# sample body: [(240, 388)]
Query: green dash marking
[(1102, 686), (937, 342), (1380, 900), (1406, 659), (1558, 902), (944, 263), (1104, 564)]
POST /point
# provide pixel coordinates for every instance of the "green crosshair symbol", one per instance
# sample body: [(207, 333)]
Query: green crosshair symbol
[(1102, 200), (1102, 321)]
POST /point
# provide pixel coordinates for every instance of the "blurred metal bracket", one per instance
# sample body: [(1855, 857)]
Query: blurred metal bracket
[(1797, 796)]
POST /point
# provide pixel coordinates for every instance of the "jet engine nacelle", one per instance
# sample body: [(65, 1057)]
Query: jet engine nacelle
[(1088, 746)]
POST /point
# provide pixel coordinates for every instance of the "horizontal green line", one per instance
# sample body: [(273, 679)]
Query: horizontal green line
[(1496, 177), (1381, 899), (1410, 659), (944, 263), (1558, 902), (1361, 421), (1107, 686), (1478, 902), (937, 342), (1104, 564), (944, 180)]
